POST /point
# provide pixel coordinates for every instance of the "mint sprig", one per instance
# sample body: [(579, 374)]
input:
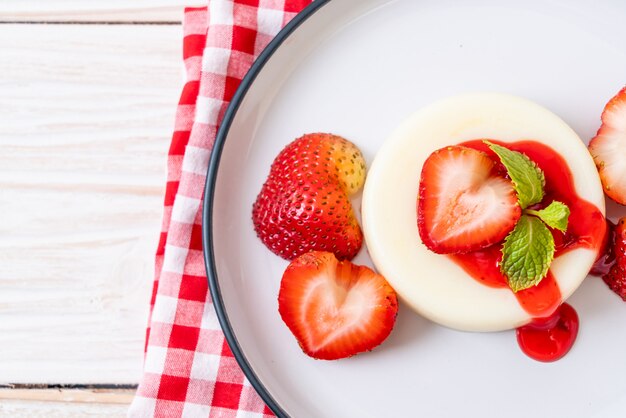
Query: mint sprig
[(527, 252), (528, 179), (529, 248), (555, 215)]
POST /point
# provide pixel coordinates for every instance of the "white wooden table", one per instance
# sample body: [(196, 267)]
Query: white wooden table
[(87, 100)]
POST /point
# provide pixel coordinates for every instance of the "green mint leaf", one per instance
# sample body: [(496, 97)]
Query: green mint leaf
[(527, 253), (528, 179), (555, 215)]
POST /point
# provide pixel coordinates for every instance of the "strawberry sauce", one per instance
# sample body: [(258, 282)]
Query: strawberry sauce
[(549, 339), (553, 331)]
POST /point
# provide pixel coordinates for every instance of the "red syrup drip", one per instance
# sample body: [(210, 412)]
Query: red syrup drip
[(586, 229), (549, 339)]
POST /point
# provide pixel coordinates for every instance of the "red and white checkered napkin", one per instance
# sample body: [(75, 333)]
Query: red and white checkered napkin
[(189, 370)]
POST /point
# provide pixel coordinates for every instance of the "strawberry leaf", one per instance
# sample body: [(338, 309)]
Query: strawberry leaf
[(528, 179), (555, 215), (527, 253)]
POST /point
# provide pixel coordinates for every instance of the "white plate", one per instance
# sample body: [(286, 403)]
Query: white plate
[(357, 68)]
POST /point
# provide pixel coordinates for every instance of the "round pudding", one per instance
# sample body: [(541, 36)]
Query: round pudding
[(433, 284)]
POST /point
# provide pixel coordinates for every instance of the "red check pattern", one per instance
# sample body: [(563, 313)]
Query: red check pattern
[(189, 370)]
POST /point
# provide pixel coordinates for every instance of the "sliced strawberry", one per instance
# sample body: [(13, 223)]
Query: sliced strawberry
[(304, 204), (608, 148), (463, 204), (616, 277), (335, 309)]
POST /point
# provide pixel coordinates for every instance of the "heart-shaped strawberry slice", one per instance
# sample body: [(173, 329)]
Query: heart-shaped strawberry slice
[(334, 308), (464, 204)]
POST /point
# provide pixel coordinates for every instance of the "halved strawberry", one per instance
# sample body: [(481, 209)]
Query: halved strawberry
[(608, 148), (335, 309), (463, 204), (616, 277), (304, 204)]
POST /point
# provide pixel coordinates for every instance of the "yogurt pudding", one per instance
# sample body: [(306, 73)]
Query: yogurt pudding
[(447, 288)]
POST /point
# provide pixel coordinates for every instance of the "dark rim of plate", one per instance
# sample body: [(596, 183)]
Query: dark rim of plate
[(209, 191)]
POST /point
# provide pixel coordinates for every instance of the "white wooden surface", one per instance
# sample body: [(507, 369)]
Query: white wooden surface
[(86, 114), (95, 10), (38, 409)]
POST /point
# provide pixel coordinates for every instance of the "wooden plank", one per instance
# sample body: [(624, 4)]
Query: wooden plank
[(95, 10), (87, 114), (30, 409), (85, 396)]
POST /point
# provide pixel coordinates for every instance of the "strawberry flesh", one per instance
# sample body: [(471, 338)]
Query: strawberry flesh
[(335, 309), (608, 148), (464, 204)]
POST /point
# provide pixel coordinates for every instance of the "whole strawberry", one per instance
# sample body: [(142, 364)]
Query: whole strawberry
[(616, 277), (304, 204)]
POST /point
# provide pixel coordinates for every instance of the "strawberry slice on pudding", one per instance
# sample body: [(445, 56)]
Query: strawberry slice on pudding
[(464, 204)]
